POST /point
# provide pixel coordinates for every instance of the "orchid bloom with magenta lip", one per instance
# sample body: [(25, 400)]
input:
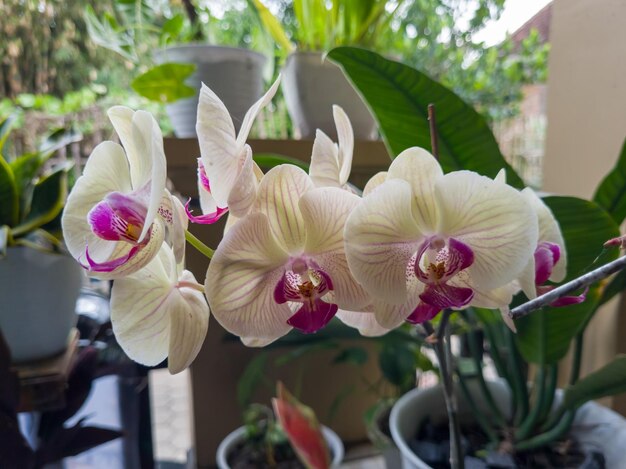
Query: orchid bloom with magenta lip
[(331, 162), (117, 213), (160, 312), (549, 261), (227, 175), (283, 265), (422, 241)]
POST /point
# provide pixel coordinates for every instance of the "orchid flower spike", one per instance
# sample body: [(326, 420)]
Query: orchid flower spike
[(227, 175), (160, 312), (330, 162), (116, 215), (423, 241), (283, 265)]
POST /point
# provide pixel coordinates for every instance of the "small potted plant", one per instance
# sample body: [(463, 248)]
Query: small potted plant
[(312, 84), (175, 56), (40, 282), (280, 439)]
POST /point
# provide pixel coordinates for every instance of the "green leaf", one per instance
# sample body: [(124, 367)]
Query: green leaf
[(303, 350), (25, 169), (616, 286), (607, 381), (399, 97), (58, 139), (5, 129), (109, 34), (165, 83), (398, 364), (172, 28), (585, 227), (271, 24), (355, 355), (48, 200), (269, 160), (611, 193), (9, 200)]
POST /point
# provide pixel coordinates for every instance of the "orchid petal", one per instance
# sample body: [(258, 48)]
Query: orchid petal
[(107, 264), (324, 169), (507, 319), (140, 167), (421, 170), (106, 171), (189, 321), (117, 217), (381, 237), (345, 138), (423, 312), (364, 322), (139, 314), (375, 181), (148, 140), (242, 276), (243, 193), (278, 197), (391, 316), (173, 213), (493, 219), (445, 296), (501, 176), (253, 112), (324, 211), (311, 317), (219, 150), (206, 219), (549, 231)]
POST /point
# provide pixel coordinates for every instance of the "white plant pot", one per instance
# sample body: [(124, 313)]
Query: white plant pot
[(233, 438), (234, 74), (595, 427), (38, 291), (311, 85)]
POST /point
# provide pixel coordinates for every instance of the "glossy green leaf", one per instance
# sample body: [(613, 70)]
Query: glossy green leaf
[(9, 197), (48, 200), (585, 227), (615, 286), (611, 193), (399, 96), (58, 139), (269, 160), (397, 362), (607, 381), (165, 83), (25, 169)]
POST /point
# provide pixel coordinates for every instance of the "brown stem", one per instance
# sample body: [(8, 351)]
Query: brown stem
[(432, 121)]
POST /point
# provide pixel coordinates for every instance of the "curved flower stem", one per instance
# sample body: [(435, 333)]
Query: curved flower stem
[(517, 378), (569, 287), (530, 421), (550, 389), (444, 357), (199, 245)]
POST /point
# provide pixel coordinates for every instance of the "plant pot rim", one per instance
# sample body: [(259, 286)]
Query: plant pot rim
[(223, 450), (199, 45)]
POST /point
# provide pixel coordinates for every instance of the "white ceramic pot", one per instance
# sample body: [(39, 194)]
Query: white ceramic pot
[(595, 427), (233, 438), (38, 293), (234, 74), (311, 85)]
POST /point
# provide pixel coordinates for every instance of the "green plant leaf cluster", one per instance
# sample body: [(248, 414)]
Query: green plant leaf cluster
[(30, 200)]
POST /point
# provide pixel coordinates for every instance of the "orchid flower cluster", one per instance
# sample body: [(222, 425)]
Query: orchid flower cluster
[(298, 248)]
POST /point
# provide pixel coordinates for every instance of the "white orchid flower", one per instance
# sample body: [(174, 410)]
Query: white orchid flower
[(331, 162), (115, 218), (283, 265), (423, 241), (160, 312), (227, 175)]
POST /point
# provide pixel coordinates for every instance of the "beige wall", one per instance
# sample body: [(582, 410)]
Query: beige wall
[(587, 125)]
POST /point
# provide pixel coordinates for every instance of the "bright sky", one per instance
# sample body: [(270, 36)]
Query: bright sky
[(515, 14)]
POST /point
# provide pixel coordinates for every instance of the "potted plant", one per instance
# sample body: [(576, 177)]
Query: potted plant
[(519, 425), (40, 283), (293, 435), (176, 54), (311, 83)]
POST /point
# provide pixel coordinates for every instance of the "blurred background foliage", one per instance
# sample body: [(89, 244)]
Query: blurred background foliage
[(51, 67)]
